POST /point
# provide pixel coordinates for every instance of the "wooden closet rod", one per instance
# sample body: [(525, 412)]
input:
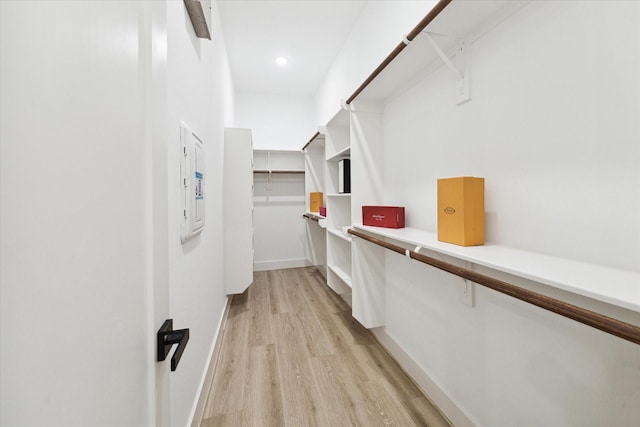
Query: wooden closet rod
[(310, 217), (312, 138), (413, 34), (604, 323)]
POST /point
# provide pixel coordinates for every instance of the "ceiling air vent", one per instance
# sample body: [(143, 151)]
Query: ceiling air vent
[(198, 18)]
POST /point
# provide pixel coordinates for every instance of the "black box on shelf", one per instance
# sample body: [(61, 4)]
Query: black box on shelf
[(344, 176)]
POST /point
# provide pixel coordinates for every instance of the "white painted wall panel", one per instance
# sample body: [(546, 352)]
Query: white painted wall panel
[(200, 94)]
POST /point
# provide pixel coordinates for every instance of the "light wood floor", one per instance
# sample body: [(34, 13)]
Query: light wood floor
[(292, 355)]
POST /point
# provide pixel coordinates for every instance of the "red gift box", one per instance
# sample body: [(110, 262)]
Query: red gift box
[(323, 211), (383, 216)]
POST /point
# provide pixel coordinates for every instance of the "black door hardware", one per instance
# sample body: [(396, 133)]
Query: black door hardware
[(167, 337)]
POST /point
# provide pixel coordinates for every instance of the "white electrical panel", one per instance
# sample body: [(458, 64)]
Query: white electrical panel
[(192, 182)]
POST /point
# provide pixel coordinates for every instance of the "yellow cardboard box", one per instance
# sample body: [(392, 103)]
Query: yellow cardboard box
[(461, 210), (315, 201)]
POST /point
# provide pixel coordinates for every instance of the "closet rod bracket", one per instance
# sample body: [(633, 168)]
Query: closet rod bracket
[(461, 71)]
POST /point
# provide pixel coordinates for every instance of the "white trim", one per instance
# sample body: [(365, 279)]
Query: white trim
[(195, 418), (448, 406), (278, 265)]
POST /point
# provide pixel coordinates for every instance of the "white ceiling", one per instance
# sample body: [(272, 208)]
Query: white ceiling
[(310, 33)]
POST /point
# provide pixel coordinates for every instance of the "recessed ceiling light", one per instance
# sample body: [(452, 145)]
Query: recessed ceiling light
[(281, 61)]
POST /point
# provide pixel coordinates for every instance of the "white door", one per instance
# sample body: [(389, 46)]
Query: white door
[(83, 286)]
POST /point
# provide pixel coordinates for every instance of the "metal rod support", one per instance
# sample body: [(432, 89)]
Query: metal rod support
[(439, 7), (444, 57)]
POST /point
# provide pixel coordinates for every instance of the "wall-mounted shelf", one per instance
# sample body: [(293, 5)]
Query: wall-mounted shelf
[(339, 234), (342, 275), (337, 136), (342, 154), (580, 278), (278, 171), (459, 20), (278, 161)]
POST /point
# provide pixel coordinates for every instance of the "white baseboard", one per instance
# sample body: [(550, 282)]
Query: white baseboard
[(278, 265), (448, 406), (205, 384)]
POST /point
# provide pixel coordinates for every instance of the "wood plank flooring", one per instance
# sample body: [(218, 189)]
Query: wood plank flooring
[(292, 355)]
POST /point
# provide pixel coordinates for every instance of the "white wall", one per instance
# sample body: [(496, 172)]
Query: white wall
[(379, 29), (77, 267), (90, 250), (279, 234), (200, 94), (278, 122), (553, 126)]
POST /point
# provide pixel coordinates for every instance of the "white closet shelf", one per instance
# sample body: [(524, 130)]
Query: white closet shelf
[(339, 195), (614, 286), (270, 150), (341, 274), (342, 154), (339, 234), (278, 171), (278, 161)]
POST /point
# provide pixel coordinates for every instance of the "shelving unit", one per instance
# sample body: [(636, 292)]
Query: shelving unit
[(355, 135), (338, 147), (332, 172)]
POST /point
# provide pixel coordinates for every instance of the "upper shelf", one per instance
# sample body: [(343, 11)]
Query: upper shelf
[(278, 171), (337, 133), (622, 287), (339, 234), (344, 153), (459, 20), (278, 161)]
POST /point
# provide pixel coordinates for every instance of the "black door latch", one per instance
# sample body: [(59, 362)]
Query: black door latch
[(167, 337)]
